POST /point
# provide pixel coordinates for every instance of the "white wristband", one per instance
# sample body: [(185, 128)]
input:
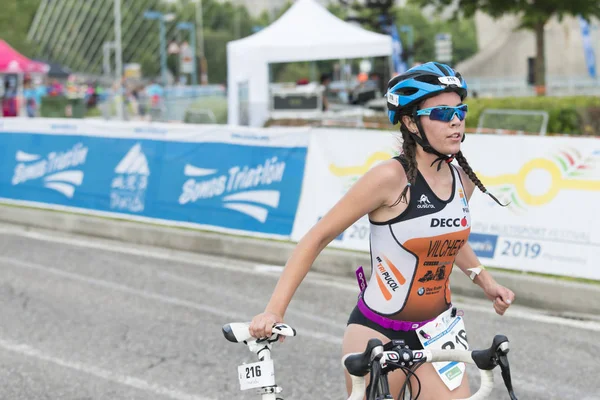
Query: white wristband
[(475, 271)]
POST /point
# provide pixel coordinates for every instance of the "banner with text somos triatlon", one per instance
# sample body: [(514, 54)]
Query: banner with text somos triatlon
[(552, 185), (225, 179)]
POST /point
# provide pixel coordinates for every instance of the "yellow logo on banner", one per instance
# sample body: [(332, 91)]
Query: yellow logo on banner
[(567, 170), (358, 170)]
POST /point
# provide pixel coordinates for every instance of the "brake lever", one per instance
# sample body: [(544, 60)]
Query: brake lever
[(505, 369)]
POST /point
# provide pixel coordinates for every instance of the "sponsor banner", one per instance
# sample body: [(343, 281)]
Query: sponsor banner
[(239, 187), (336, 159), (551, 185), (228, 185), (552, 188)]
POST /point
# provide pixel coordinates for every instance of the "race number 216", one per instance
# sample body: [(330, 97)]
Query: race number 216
[(459, 340)]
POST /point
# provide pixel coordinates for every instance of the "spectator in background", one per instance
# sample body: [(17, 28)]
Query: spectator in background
[(9, 99), (55, 88), (41, 91), (356, 96), (142, 97), (30, 97), (156, 93), (325, 82), (375, 78), (91, 94)]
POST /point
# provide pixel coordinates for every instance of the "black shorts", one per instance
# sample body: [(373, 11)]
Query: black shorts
[(409, 337)]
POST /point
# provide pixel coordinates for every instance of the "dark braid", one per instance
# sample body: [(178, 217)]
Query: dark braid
[(462, 161), (409, 151)]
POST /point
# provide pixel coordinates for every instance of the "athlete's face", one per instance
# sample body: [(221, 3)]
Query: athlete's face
[(444, 136)]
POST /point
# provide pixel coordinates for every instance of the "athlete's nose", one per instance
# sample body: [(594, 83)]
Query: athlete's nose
[(455, 120)]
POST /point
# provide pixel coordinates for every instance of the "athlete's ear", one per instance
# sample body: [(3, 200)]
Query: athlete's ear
[(409, 122)]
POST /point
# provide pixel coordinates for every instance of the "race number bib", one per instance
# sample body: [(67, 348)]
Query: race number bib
[(256, 375), (446, 332)]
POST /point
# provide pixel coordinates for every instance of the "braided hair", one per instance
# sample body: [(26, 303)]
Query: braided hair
[(462, 161), (409, 153)]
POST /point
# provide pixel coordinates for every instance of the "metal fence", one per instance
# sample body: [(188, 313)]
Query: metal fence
[(177, 104)]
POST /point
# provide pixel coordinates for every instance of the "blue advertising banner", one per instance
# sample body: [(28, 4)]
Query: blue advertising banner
[(590, 56), (243, 187), (390, 28), (233, 186)]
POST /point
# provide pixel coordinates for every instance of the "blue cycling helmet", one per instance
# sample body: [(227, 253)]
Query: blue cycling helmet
[(419, 83)]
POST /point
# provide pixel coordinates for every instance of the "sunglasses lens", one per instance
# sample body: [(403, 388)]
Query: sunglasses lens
[(442, 114), (446, 114)]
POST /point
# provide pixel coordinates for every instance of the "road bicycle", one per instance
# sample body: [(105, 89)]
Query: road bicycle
[(378, 359)]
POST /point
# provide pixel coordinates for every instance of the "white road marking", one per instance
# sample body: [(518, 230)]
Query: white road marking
[(268, 268), (137, 383), (208, 261)]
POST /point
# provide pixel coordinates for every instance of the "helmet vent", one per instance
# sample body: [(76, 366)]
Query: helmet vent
[(406, 91), (430, 79), (443, 69)]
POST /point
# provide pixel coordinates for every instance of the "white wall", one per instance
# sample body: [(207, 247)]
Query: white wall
[(504, 50)]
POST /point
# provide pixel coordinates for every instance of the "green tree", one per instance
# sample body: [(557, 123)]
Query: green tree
[(423, 29), (15, 18), (216, 54), (533, 16)]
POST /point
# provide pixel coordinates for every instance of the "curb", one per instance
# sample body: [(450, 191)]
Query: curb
[(550, 294)]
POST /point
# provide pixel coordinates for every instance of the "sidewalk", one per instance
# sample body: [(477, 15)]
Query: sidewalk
[(553, 295)]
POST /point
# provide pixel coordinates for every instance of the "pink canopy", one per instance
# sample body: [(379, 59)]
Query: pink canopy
[(11, 61)]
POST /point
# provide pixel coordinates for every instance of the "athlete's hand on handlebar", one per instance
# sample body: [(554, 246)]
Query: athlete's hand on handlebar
[(262, 324)]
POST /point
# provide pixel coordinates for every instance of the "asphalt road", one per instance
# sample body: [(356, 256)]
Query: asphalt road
[(83, 319)]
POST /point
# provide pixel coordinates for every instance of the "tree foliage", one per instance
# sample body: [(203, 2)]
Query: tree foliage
[(425, 31), (223, 21), (15, 18), (533, 15), (530, 11)]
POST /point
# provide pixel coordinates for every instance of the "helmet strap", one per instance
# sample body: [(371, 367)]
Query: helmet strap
[(424, 143)]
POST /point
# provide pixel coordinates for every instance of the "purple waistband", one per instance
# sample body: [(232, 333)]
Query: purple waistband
[(387, 322)]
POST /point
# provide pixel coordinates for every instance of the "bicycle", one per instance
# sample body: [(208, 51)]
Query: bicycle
[(377, 359)]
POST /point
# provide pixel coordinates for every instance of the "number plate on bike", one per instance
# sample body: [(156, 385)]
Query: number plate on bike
[(256, 375), (446, 332)]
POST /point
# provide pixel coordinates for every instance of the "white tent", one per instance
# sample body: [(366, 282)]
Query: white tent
[(306, 32)]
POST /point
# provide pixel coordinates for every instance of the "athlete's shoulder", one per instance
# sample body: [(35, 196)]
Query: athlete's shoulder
[(389, 171)]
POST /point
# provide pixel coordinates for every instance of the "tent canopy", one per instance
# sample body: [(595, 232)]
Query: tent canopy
[(309, 32), (306, 32), (11, 61), (56, 70)]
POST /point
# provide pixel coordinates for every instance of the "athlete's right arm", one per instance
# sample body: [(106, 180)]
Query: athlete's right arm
[(376, 188)]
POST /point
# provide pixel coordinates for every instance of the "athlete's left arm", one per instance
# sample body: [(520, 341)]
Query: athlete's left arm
[(467, 261)]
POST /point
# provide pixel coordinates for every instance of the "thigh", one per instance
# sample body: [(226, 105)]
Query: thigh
[(433, 388)]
